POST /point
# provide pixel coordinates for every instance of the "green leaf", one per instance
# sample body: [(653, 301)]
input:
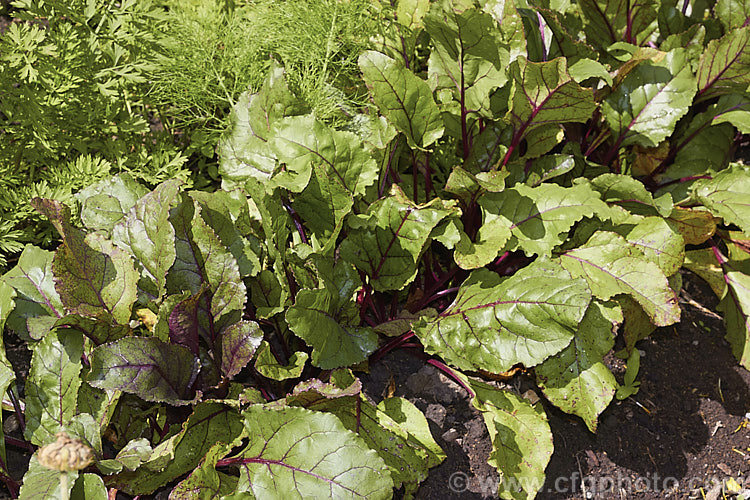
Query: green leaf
[(209, 424), (521, 440), (337, 164), (206, 481), (52, 385), (7, 375), (145, 232), (404, 99), (545, 94), (659, 243), (610, 21), (297, 453), (330, 327), (147, 367), (736, 308), (105, 203), (703, 263), (540, 217), (41, 483), (267, 365), (577, 381), (466, 56), (629, 193), (612, 266), (203, 260), (89, 487), (724, 67), (268, 295), (388, 243), (732, 13), (395, 429), (588, 68), (92, 276), (135, 453), (36, 296), (727, 195), (237, 347), (243, 151), (647, 104), (494, 324)]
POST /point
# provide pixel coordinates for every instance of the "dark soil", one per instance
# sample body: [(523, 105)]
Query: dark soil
[(682, 435)]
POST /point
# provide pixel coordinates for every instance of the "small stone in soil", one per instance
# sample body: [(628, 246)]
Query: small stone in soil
[(436, 413), (450, 435)]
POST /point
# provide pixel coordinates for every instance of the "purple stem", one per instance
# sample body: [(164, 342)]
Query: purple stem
[(541, 34), (390, 346), (444, 368), (19, 443), (295, 218), (17, 408)]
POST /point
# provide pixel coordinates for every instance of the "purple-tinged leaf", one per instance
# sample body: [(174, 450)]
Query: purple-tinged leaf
[(105, 203), (577, 381), (145, 232), (494, 324), (647, 103), (210, 423), (238, 345), (727, 195), (299, 453), (405, 99), (52, 385), (724, 67), (332, 331), (36, 298), (92, 276), (612, 266), (202, 260), (147, 367), (99, 330), (387, 244), (610, 21), (544, 94), (183, 322)]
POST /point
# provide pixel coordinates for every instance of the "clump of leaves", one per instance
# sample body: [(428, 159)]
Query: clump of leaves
[(525, 186)]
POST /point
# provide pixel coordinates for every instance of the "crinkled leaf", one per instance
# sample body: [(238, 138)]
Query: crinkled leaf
[(466, 57), (209, 424), (41, 483), (145, 232), (646, 105), (330, 329), (243, 151), (184, 323), (400, 436), (203, 260), (631, 194), (703, 263), (494, 324), (237, 347), (732, 13), (610, 21), (576, 380), (521, 440), (584, 69), (146, 367), (267, 365), (297, 453), (100, 404), (269, 296), (105, 203), (659, 243), (727, 195), (98, 330), (612, 266), (544, 94), (135, 453), (404, 98), (388, 245), (52, 385), (206, 481), (90, 487), (694, 225), (337, 164), (724, 67), (548, 167), (92, 276), (540, 217), (36, 296), (734, 109)]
